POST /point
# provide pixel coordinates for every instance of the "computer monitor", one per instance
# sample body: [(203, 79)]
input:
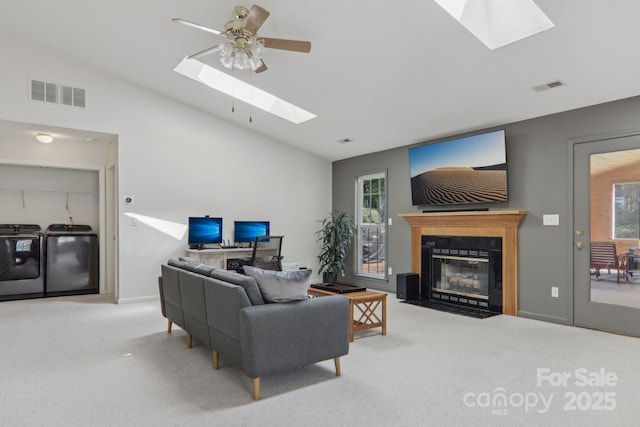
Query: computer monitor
[(204, 230), (247, 231)]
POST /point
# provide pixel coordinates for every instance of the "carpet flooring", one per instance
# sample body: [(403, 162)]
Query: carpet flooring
[(83, 361)]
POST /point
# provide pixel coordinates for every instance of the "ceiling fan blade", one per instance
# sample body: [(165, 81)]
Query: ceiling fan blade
[(198, 26), (204, 52), (295, 45), (261, 68), (255, 19)]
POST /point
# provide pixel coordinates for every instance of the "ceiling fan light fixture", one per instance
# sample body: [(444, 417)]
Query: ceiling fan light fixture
[(255, 63), (257, 48), (227, 61), (244, 55), (243, 49), (226, 49)]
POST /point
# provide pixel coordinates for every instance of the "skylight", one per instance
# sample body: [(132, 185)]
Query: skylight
[(497, 23), (216, 79)]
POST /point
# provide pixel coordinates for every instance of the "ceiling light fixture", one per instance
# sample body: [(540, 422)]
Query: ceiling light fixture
[(497, 22), (244, 54), (216, 79), (243, 50), (45, 138)]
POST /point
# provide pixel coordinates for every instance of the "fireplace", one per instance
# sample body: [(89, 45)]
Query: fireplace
[(499, 223), (462, 270)]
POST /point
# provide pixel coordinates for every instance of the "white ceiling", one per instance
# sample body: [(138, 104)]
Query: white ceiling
[(382, 74)]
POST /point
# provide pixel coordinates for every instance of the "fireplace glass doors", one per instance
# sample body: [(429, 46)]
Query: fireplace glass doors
[(463, 270), (461, 276)]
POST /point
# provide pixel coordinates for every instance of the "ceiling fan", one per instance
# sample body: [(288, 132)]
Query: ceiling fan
[(243, 48)]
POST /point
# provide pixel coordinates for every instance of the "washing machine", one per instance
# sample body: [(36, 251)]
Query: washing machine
[(72, 256), (21, 261)]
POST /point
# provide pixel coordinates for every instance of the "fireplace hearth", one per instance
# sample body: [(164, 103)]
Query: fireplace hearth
[(453, 308)]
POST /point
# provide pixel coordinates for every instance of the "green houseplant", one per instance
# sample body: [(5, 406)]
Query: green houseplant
[(335, 235)]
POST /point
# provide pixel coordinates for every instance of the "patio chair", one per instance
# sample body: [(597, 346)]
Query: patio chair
[(604, 256)]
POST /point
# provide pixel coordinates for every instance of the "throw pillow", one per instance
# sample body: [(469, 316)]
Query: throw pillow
[(280, 286)]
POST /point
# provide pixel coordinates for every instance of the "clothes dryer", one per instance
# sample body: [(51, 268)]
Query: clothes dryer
[(72, 257)]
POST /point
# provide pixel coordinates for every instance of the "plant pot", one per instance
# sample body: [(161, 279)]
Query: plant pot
[(328, 277)]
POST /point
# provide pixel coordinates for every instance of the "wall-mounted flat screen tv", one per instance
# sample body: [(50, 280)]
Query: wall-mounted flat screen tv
[(247, 231), (467, 170), (204, 230)]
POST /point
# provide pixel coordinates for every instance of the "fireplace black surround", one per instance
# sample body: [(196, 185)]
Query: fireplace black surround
[(463, 271)]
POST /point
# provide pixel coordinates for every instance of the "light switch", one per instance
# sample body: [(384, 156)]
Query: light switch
[(550, 219)]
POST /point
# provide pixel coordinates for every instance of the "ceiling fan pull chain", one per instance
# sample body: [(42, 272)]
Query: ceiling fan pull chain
[(233, 93), (251, 98)]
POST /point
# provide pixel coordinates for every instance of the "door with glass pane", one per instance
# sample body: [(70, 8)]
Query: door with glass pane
[(371, 220), (607, 217)]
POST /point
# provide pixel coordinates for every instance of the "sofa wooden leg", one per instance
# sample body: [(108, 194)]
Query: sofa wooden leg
[(169, 326), (189, 340), (216, 360), (256, 388), (336, 361)]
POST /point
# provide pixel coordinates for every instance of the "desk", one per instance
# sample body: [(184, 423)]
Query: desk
[(218, 257), (365, 305)]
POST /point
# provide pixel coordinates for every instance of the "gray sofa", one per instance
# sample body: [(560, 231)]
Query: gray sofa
[(225, 311)]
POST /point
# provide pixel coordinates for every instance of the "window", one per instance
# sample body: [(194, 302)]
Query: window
[(370, 221), (626, 211)]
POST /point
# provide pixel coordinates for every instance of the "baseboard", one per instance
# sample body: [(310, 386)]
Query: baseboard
[(545, 318), (137, 299)]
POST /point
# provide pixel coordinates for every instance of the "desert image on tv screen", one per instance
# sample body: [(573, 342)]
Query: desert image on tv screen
[(465, 170)]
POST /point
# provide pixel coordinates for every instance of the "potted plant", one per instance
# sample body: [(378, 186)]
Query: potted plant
[(336, 234)]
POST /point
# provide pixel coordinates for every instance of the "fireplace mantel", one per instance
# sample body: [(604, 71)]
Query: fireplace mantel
[(502, 224)]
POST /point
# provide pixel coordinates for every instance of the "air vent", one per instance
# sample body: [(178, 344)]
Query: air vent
[(57, 94), (66, 93), (550, 85)]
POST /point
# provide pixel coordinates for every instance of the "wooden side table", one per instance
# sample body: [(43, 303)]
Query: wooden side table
[(363, 305)]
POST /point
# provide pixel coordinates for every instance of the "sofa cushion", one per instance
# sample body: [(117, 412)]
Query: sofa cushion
[(281, 286), (248, 283)]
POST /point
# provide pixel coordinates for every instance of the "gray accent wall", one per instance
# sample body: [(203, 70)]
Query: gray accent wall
[(538, 156)]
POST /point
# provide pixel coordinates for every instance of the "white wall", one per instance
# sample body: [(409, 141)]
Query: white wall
[(45, 195), (175, 161)]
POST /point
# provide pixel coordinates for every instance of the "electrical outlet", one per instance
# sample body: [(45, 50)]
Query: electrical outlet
[(390, 221), (554, 291), (390, 271), (134, 221)]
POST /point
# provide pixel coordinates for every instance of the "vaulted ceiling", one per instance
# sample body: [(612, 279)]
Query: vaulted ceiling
[(381, 74)]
